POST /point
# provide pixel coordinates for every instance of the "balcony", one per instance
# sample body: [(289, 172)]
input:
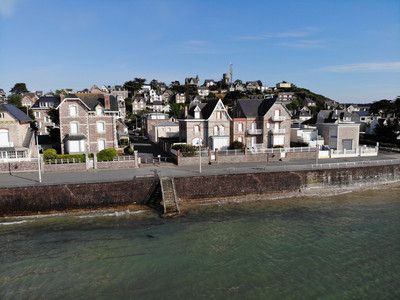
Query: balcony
[(254, 131), (278, 131), (278, 118)]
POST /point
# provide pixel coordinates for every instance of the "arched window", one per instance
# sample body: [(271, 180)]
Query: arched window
[(240, 127), (196, 128)]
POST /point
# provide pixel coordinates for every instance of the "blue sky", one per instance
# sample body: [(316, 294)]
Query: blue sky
[(346, 50)]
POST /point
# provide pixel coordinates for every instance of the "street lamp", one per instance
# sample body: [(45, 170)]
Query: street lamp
[(36, 129)]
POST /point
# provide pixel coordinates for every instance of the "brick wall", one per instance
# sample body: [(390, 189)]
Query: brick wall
[(64, 167)]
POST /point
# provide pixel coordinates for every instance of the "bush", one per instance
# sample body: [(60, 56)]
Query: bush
[(50, 154), (128, 150), (185, 149), (236, 145), (107, 154)]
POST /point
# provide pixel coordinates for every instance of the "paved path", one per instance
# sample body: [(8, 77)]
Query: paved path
[(166, 169)]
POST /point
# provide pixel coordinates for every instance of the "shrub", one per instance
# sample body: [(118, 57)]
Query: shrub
[(185, 149), (236, 145), (128, 150), (107, 154), (50, 154)]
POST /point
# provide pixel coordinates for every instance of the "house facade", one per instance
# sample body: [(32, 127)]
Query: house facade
[(41, 110), (17, 139), (338, 131), (261, 122), (207, 124), (28, 99), (88, 123)]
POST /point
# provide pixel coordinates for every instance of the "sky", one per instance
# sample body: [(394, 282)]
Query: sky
[(346, 50)]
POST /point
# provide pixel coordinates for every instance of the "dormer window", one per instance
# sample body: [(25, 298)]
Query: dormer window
[(99, 111)]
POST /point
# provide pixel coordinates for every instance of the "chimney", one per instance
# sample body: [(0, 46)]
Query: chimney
[(107, 105)]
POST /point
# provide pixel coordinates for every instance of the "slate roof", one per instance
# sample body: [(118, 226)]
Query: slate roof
[(16, 113), (50, 99), (252, 108), (92, 100)]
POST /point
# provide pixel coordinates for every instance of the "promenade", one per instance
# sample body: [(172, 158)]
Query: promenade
[(169, 169)]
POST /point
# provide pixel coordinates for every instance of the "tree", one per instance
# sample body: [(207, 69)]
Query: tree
[(176, 110), (381, 106), (19, 88), (15, 99), (54, 116), (134, 85)]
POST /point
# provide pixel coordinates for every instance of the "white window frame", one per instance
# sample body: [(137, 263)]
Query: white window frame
[(101, 130), (73, 107), (71, 126)]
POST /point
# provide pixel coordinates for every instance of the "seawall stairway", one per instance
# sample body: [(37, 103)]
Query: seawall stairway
[(169, 198)]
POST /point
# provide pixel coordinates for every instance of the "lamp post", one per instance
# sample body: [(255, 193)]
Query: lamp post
[(38, 156), (199, 158)]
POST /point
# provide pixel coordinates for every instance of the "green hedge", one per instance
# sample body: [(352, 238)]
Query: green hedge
[(107, 154), (186, 149), (50, 155)]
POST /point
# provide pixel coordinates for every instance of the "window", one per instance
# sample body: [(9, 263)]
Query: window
[(197, 115), (101, 127), (216, 130), (240, 139), (240, 127), (74, 128), (36, 114), (2, 115), (196, 129), (277, 112), (221, 129), (4, 137), (101, 145), (47, 119), (99, 111), (73, 110), (219, 115)]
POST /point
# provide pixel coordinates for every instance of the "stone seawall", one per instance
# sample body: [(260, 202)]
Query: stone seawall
[(192, 188), (41, 198), (45, 198)]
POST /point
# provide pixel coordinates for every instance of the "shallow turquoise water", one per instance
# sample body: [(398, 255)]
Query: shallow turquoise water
[(342, 247)]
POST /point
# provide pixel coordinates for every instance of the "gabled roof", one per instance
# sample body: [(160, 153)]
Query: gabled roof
[(252, 108), (92, 100), (16, 113)]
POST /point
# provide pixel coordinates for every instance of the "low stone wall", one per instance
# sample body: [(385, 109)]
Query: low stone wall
[(260, 157), (64, 167), (127, 164), (45, 198), (21, 166)]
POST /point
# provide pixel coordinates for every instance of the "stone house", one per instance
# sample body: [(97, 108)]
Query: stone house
[(206, 124), (138, 104), (203, 91), (286, 96), (338, 130), (3, 96), (17, 139), (284, 85), (192, 80), (28, 99), (88, 123), (41, 110), (180, 98), (261, 122)]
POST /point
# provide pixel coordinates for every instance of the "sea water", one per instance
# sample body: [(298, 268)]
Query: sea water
[(340, 247)]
